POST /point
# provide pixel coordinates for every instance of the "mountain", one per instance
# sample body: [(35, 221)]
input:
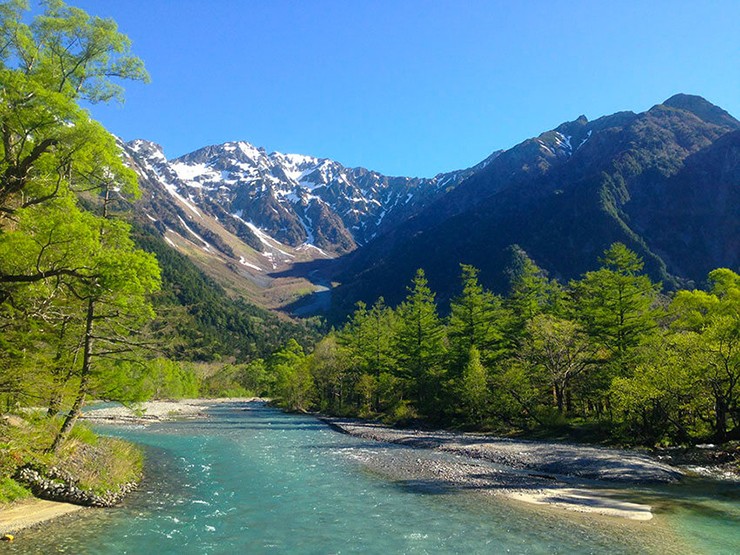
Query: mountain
[(244, 215), (666, 182), (275, 228), (298, 200)]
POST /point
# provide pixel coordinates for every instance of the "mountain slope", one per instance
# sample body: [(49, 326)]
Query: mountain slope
[(198, 321), (243, 216), (298, 200), (664, 182)]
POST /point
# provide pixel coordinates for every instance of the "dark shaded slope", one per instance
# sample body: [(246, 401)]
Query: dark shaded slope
[(663, 182)]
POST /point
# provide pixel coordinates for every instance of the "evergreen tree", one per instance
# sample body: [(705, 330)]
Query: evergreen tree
[(617, 305), (531, 292), (420, 346), (474, 388), (477, 320)]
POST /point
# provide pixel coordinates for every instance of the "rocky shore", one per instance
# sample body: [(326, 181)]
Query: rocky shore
[(58, 485), (574, 477), (158, 411)]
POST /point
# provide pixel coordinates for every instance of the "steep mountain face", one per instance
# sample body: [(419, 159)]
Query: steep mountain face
[(246, 217), (665, 182), (295, 199)]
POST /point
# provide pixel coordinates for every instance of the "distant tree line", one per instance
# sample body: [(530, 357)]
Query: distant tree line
[(607, 354)]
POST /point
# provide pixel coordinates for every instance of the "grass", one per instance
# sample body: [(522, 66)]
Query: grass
[(105, 465), (11, 491), (99, 463)]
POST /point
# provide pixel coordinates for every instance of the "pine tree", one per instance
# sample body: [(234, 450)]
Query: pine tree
[(420, 346), (477, 320), (617, 305), (531, 292)]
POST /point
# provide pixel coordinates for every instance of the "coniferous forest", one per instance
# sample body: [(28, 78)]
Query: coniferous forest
[(608, 355)]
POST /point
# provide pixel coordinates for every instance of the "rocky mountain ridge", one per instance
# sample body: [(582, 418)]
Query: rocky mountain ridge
[(295, 199), (665, 182)]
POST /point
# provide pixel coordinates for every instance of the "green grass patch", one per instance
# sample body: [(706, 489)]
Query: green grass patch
[(10, 491), (99, 463), (105, 465)]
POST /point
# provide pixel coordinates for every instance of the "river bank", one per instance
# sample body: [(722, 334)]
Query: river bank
[(33, 512), (158, 411), (573, 477)]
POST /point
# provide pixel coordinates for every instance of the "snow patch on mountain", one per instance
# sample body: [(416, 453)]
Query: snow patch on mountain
[(275, 192)]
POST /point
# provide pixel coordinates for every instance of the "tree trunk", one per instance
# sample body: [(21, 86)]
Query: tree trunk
[(720, 421), (558, 392), (60, 377), (87, 354)]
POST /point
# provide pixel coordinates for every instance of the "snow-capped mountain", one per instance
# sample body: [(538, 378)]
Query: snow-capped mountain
[(301, 201)]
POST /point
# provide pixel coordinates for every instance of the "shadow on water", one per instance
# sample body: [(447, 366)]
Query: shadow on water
[(425, 487), (713, 499)]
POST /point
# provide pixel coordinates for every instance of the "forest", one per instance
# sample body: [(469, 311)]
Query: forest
[(606, 357)]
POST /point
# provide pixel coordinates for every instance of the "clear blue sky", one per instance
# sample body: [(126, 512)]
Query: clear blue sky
[(409, 87)]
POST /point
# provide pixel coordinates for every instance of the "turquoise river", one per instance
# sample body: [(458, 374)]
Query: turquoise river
[(259, 481)]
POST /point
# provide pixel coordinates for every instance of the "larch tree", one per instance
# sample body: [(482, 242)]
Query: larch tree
[(420, 346), (477, 320), (617, 305)]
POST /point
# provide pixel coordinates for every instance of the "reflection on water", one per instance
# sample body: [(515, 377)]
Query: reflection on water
[(259, 481)]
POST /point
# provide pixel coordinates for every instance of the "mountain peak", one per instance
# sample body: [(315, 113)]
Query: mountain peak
[(703, 109), (148, 149)]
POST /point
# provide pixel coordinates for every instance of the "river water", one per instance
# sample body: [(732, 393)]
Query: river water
[(259, 481)]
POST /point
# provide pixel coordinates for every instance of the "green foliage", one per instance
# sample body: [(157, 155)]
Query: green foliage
[(99, 463), (477, 320), (558, 352), (293, 384), (598, 356), (473, 388), (237, 380), (531, 292), (708, 325), (199, 322), (74, 289), (331, 366), (10, 491), (420, 347), (618, 305), (167, 379)]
